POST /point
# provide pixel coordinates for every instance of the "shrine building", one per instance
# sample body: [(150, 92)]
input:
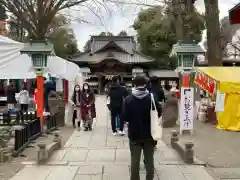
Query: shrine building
[(108, 56)]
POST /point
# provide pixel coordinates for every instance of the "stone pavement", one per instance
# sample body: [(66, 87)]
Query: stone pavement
[(98, 155)]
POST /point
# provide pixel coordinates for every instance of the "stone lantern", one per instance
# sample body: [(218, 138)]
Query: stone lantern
[(186, 53), (39, 51)]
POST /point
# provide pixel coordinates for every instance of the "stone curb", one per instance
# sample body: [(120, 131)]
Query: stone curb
[(44, 151), (185, 150), (6, 154)]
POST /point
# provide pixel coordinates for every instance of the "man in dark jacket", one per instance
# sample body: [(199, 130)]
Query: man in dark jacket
[(116, 95), (156, 89), (136, 111)]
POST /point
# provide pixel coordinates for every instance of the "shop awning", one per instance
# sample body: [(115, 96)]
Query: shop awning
[(222, 74), (228, 78)]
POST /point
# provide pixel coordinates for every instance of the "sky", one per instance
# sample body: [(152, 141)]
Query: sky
[(93, 18)]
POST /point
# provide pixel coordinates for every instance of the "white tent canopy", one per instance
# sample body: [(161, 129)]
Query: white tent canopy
[(14, 65)]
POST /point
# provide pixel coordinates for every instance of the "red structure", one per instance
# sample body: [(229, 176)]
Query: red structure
[(234, 14), (65, 91)]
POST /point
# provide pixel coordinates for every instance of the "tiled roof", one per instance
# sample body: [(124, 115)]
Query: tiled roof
[(235, 7), (121, 48), (186, 48), (134, 58), (127, 43)]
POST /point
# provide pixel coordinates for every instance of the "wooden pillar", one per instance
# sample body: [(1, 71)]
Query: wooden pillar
[(186, 80), (66, 91), (40, 99)]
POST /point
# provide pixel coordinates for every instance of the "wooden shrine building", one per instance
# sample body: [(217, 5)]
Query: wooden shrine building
[(108, 56)]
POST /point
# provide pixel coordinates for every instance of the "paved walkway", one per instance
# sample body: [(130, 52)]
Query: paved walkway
[(98, 155)]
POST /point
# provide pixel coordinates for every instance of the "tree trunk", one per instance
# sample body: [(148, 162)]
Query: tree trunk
[(213, 32), (176, 4), (183, 11)]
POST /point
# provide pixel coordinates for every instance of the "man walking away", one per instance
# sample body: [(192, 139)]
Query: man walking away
[(156, 89), (116, 95), (136, 111)]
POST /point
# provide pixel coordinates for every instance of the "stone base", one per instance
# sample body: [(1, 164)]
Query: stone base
[(6, 154), (44, 152), (57, 107), (185, 150)]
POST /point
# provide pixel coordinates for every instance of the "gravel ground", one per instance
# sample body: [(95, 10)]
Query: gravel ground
[(7, 170), (215, 147)]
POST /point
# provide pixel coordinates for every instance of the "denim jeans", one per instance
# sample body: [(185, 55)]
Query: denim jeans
[(136, 148), (116, 113)]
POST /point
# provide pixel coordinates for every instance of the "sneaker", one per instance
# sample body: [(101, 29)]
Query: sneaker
[(121, 133), (114, 133), (85, 129), (90, 128)]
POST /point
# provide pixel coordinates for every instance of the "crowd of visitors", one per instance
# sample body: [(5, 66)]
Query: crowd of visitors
[(131, 108)]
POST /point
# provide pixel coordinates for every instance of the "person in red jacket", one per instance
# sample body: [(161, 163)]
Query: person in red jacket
[(87, 106)]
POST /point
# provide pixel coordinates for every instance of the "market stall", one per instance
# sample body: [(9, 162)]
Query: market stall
[(14, 65), (223, 86)]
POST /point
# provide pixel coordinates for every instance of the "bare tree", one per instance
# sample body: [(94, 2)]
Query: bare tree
[(233, 48), (141, 3), (36, 15)]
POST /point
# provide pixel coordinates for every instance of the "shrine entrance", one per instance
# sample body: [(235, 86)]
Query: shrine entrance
[(106, 80), (107, 70)]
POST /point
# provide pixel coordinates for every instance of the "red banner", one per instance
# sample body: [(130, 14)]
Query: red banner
[(205, 82)]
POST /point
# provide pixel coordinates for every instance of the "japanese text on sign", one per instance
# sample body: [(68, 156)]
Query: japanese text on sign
[(186, 109)]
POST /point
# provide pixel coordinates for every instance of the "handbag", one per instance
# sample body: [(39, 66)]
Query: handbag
[(156, 123)]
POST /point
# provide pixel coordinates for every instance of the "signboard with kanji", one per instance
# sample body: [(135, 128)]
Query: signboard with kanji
[(234, 14), (205, 82), (186, 109)]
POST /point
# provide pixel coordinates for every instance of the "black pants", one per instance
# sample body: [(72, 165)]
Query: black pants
[(148, 152), (74, 117), (116, 112), (24, 107)]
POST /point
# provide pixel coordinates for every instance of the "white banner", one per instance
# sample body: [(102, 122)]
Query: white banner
[(186, 109), (220, 102)]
